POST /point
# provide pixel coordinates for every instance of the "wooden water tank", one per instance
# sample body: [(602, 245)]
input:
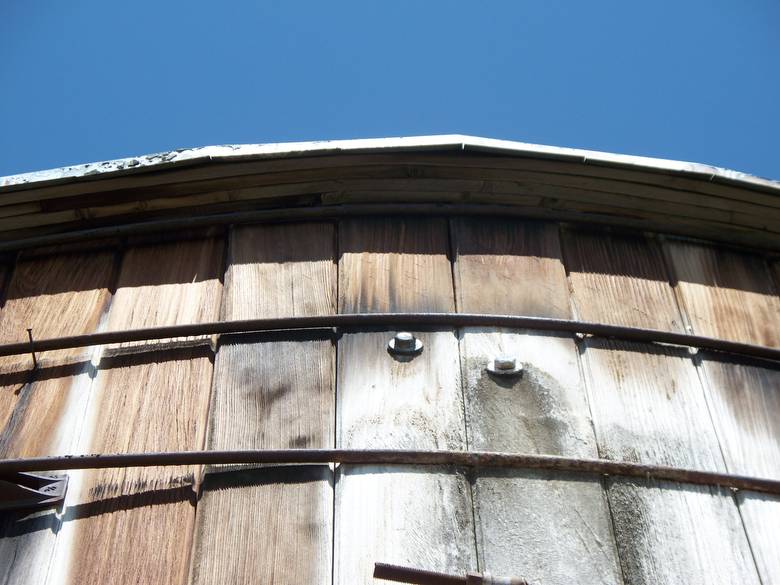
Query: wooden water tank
[(651, 338)]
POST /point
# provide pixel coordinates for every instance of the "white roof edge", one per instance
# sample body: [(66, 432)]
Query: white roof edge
[(225, 153)]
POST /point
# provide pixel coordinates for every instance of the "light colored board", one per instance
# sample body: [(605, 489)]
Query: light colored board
[(394, 265), (675, 533), (528, 524), (726, 294), (532, 524), (41, 411), (413, 516), (745, 403), (627, 273), (55, 296), (509, 267), (168, 284), (407, 515), (648, 406), (286, 270), (135, 525), (270, 525)]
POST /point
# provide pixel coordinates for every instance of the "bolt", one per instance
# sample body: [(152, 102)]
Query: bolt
[(504, 365), (404, 343)]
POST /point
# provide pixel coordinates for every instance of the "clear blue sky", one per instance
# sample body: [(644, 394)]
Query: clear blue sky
[(82, 81)]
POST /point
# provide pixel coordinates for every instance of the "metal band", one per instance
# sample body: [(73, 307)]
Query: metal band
[(391, 320), (474, 459)]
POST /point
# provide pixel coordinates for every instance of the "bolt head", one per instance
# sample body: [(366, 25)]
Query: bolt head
[(504, 363), (404, 343)]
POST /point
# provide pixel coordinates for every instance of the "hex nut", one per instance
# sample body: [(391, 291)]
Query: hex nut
[(404, 343), (504, 366)]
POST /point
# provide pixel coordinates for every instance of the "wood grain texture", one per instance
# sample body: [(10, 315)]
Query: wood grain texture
[(407, 515), (648, 406), (627, 273), (394, 265), (270, 525), (42, 411), (271, 394), (726, 294), (168, 284), (55, 296), (281, 271), (528, 523), (533, 524), (509, 267), (135, 525), (414, 516), (745, 404)]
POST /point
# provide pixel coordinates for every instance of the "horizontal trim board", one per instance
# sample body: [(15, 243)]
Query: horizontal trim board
[(477, 459), (393, 320), (336, 211)]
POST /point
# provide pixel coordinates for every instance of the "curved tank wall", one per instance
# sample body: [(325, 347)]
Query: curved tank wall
[(578, 396)]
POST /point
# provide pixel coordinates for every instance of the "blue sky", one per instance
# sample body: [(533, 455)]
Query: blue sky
[(694, 80)]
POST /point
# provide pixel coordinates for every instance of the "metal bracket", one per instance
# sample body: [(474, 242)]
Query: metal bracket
[(30, 490)]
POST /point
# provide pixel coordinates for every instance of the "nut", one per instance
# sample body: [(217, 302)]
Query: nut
[(504, 366), (404, 343)]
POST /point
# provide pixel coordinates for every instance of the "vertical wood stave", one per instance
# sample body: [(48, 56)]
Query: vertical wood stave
[(272, 524), (418, 516), (42, 410), (529, 523), (144, 400), (648, 406)]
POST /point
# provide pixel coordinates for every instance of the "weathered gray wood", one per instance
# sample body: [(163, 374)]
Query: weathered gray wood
[(533, 524), (726, 293), (648, 406), (271, 525), (529, 524), (407, 515), (745, 404), (415, 516)]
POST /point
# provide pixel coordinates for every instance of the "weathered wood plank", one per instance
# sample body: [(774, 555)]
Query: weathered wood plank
[(529, 524), (281, 271), (726, 293), (55, 296), (394, 265), (414, 516), (135, 525), (509, 267), (745, 404), (533, 524), (169, 283), (41, 411), (271, 525), (648, 406), (627, 273)]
